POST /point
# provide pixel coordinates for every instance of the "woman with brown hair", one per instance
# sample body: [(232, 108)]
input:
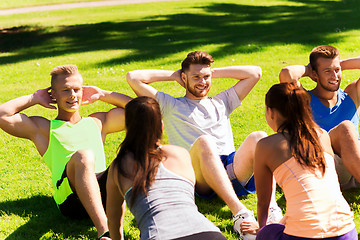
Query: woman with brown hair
[(156, 181), (300, 158)]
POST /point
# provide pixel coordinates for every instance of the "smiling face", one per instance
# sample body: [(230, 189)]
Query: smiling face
[(328, 73), (67, 92), (197, 81)]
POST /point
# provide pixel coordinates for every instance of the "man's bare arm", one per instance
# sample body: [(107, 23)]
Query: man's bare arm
[(248, 76), (350, 63), (353, 89), (20, 125), (113, 120), (293, 73), (139, 80)]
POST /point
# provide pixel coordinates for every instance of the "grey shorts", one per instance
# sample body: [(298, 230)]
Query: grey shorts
[(346, 180)]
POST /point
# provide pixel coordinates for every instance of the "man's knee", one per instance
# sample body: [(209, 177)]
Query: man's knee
[(345, 127), (83, 158), (204, 145), (203, 148), (344, 131), (256, 136)]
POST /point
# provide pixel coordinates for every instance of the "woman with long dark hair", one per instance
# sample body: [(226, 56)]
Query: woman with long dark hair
[(156, 181), (300, 158)]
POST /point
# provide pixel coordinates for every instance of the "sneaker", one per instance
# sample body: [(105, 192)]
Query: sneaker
[(244, 215), (275, 215)]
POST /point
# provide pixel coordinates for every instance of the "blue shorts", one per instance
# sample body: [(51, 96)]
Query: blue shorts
[(239, 189), (276, 232)]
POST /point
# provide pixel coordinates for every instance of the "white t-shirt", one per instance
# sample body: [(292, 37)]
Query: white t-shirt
[(185, 119)]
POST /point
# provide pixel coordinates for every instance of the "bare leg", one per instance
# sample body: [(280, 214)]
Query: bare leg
[(81, 174), (211, 175), (244, 160), (244, 169), (345, 143), (244, 157)]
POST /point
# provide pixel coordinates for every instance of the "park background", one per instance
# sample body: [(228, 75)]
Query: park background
[(107, 42)]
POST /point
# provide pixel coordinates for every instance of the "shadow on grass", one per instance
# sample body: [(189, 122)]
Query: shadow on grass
[(352, 195), (214, 207), (44, 220), (235, 27)]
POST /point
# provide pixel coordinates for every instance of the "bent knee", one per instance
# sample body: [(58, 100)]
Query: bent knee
[(256, 136), (204, 142), (203, 147), (83, 157), (347, 126), (344, 129)]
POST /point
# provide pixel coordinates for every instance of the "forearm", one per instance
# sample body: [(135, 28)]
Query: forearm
[(350, 63), (115, 98), (262, 212), (151, 75), (115, 222), (139, 80), (237, 72), (293, 73), (17, 105), (116, 232)]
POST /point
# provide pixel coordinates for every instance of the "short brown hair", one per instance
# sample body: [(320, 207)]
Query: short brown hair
[(64, 70), (197, 57), (323, 51)]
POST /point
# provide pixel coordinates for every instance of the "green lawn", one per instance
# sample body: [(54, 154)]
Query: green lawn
[(107, 42)]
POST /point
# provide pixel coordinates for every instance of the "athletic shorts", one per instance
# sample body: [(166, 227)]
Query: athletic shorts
[(203, 236), (239, 189), (346, 180), (72, 207), (276, 232)]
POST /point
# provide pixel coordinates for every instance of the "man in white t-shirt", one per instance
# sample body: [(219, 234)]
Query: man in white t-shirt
[(201, 125)]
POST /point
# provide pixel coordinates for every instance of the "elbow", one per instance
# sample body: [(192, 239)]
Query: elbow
[(255, 73), (130, 77), (284, 75), (258, 72), (136, 77)]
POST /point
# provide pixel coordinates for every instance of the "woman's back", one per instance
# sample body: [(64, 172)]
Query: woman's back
[(315, 207), (168, 210), (299, 156)]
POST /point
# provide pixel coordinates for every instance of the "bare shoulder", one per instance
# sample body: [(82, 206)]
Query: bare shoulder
[(176, 153), (178, 161), (41, 121), (173, 149), (42, 124), (128, 165), (325, 141), (273, 142), (353, 89), (99, 119), (273, 150)]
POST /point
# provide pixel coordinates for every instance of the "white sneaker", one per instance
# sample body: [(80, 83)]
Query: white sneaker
[(275, 215), (244, 215)]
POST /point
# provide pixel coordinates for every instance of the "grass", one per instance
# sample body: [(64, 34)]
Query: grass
[(107, 42)]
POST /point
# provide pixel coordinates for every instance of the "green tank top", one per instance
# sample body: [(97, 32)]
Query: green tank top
[(65, 139)]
